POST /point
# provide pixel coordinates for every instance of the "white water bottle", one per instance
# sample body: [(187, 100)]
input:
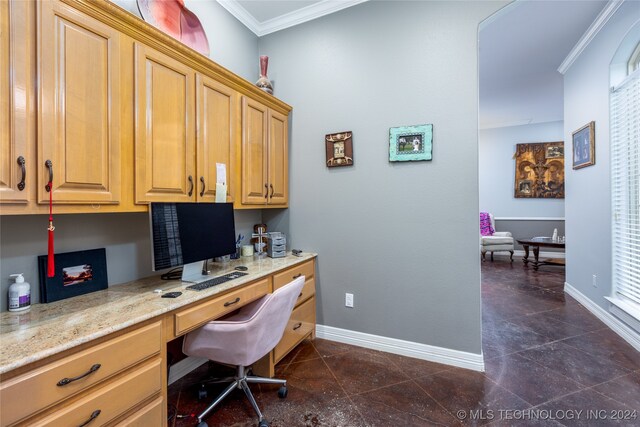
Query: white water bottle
[(555, 234), (19, 294)]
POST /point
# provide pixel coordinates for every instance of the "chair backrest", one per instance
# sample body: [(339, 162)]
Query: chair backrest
[(251, 333)]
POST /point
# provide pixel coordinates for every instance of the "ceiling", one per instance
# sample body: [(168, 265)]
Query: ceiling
[(521, 48)]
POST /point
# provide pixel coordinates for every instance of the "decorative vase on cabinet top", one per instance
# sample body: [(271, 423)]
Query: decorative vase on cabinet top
[(263, 82)]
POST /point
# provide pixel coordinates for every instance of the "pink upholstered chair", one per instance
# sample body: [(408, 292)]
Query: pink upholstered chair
[(244, 338)]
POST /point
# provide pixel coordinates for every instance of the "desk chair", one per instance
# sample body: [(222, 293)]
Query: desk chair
[(243, 338)]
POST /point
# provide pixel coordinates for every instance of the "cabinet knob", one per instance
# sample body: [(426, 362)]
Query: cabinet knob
[(203, 186), (21, 162), (191, 187)]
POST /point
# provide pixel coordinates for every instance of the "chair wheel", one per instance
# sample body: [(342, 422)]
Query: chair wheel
[(282, 393), (263, 423), (202, 394)]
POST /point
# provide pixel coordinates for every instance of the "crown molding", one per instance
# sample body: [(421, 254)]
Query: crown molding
[(590, 34), (309, 13)]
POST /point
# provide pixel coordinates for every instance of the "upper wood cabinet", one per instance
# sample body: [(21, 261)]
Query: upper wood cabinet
[(17, 103), (79, 106), (264, 155), (217, 122), (165, 128)]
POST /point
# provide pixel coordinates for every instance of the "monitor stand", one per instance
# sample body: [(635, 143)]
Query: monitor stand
[(195, 272)]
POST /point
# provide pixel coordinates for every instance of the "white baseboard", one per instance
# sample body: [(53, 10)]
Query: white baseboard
[(617, 326), (431, 353), (183, 367)]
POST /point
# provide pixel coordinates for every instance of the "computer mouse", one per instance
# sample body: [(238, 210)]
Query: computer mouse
[(241, 268)]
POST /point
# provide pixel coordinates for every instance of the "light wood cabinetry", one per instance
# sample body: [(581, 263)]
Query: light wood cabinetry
[(17, 102), (125, 114), (165, 134), (264, 156), (87, 373), (217, 122), (78, 106)]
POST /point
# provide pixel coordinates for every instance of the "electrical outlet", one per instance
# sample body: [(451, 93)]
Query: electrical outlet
[(348, 300), (595, 281)]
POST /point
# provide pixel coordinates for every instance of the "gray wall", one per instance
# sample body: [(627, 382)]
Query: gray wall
[(588, 202), (124, 236), (231, 44), (525, 229), (402, 237), (497, 170)]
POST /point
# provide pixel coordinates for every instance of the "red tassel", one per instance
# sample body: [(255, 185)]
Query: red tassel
[(51, 268)]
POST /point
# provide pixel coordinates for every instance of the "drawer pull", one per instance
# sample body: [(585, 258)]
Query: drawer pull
[(297, 326), (66, 381), (190, 186), (300, 295), (271, 186), (203, 186), (297, 275), (93, 416), (266, 191), (235, 301)]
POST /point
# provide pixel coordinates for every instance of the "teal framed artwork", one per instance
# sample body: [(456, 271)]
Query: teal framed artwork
[(410, 143)]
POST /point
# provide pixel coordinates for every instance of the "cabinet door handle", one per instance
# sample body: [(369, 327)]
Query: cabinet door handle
[(49, 164), (93, 416), (271, 186), (266, 191), (296, 276), (235, 301), (66, 381), (203, 186), (297, 325), (21, 163), (191, 188)]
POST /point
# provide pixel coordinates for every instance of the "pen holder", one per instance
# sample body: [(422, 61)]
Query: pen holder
[(237, 253)]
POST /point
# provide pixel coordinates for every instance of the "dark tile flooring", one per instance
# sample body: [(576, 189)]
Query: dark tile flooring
[(548, 362)]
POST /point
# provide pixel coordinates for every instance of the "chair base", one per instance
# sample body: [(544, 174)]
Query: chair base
[(241, 381), (499, 250)]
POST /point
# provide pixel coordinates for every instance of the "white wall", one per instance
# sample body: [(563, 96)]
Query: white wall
[(497, 170), (588, 201), (402, 237)]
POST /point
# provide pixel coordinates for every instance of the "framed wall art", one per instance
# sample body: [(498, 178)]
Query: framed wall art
[(410, 143), (539, 170), (339, 149), (76, 273), (584, 146)]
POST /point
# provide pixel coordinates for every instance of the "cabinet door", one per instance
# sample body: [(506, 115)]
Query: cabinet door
[(165, 135), (17, 101), (79, 106), (278, 159), (254, 152), (217, 120)]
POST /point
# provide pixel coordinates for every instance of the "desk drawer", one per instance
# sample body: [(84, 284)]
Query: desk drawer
[(281, 279), (117, 397), (308, 290), (212, 309), (301, 324), (147, 416), (37, 389)]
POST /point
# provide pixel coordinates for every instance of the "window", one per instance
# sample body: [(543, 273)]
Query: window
[(625, 179)]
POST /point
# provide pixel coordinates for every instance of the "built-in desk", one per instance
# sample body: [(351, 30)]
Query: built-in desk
[(124, 330)]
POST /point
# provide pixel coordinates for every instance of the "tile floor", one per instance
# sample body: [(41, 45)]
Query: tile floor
[(548, 362)]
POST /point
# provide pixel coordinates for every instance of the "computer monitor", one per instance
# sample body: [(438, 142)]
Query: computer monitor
[(185, 234)]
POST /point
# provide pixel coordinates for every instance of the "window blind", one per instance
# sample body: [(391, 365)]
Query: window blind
[(625, 179)]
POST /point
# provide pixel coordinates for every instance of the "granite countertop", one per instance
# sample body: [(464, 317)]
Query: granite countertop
[(47, 329)]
